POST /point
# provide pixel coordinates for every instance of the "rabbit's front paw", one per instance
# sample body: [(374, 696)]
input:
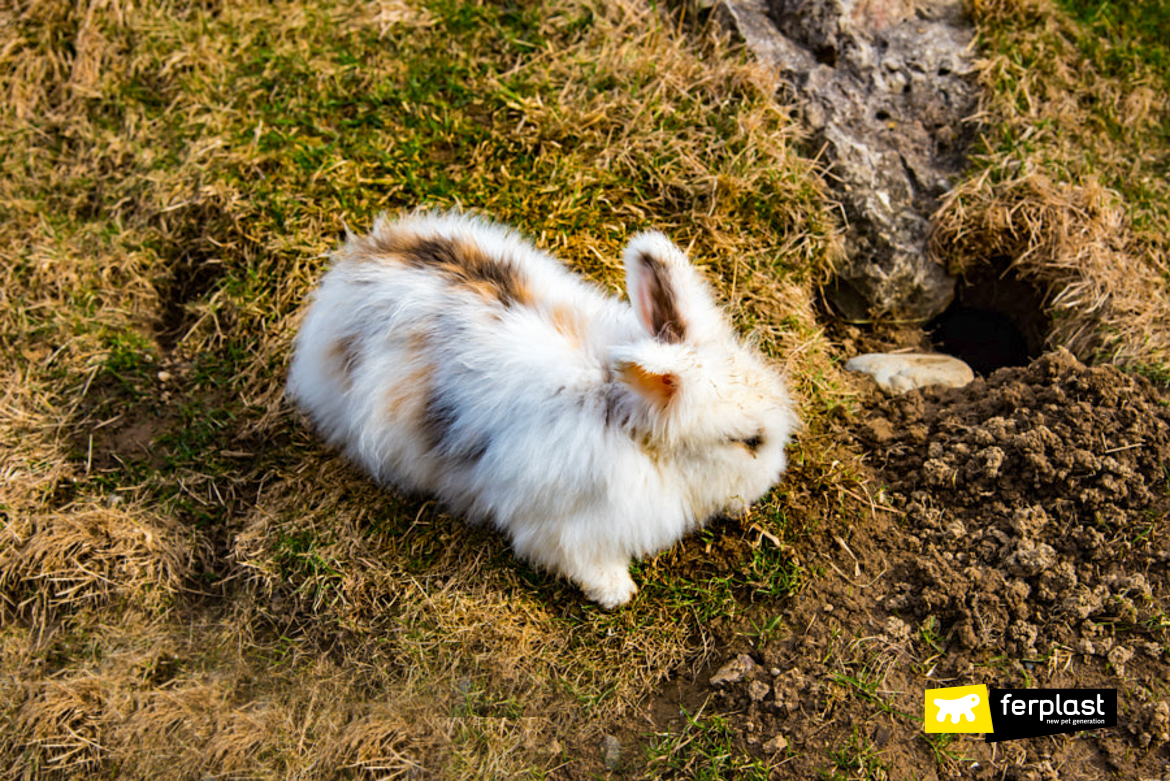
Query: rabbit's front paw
[(612, 587)]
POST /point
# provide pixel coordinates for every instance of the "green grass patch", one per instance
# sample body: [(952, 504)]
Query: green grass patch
[(705, 750)]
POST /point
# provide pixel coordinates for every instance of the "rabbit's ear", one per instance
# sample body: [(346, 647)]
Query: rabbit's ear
[(656, 386), (660, 376), (669, 298)]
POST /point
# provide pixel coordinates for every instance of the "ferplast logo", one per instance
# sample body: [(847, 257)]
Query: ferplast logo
[(1031, 713), (958, 709), (1011, 714)]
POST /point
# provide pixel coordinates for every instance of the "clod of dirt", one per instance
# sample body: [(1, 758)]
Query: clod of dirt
[(775, 745)]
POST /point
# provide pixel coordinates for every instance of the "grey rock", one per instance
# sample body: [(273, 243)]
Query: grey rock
[(900, 372), (611, 752), (750, 19), (886, 87)]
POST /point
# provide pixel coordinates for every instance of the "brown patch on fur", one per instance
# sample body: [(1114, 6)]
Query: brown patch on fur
[(668, 324), (379, 247), (344, 354), (568, 325), (405, 400), (463, 264), (649, 447)]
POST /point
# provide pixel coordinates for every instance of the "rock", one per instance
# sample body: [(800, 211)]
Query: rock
[(900, 372), (751, 21), (734, 671), (611, 752), (885, 87), (778, 743)]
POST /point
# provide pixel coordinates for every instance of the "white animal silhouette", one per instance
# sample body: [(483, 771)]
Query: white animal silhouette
[(962, 706)]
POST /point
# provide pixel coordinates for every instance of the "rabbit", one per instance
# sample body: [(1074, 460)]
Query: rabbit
[(446, 355)]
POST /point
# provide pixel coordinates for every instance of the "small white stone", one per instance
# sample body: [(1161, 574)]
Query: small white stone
[(900, 372), (611, 752)]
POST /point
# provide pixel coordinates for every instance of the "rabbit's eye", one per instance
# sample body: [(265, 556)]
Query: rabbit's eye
[(752, 443)]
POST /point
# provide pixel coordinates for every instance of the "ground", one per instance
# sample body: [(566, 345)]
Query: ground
[(1020, 539)]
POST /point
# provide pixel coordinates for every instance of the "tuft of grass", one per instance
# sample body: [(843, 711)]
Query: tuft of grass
[(1068, 187), (945, 752), (856, 758)]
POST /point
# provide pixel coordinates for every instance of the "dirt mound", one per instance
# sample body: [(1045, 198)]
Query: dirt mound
[(1033, 496), (1019, 539)]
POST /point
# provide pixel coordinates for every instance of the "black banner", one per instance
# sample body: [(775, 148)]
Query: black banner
[(1030, 713)]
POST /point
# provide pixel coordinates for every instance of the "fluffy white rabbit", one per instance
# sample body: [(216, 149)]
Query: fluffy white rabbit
[(447, 355)]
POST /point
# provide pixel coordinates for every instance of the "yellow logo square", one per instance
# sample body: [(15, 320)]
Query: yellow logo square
[(958, 709)]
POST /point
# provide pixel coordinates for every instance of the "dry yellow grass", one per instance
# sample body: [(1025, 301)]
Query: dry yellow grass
[(1102, 287)]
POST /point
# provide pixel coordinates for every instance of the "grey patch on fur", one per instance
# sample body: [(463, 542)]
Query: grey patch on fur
[(439, 431)]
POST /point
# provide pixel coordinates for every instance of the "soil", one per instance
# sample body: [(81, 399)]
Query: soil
[(1018, 538)]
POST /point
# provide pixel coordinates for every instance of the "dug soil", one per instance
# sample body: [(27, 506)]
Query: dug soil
[(1018, 538)]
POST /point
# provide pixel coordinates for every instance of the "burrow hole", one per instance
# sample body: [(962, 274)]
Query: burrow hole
[(996, 319)]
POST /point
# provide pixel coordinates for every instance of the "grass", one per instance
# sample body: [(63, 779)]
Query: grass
[(705, 751), (945, 752), (856, 758)]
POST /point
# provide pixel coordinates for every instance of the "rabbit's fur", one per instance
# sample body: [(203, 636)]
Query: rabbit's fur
[(447, 355)]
